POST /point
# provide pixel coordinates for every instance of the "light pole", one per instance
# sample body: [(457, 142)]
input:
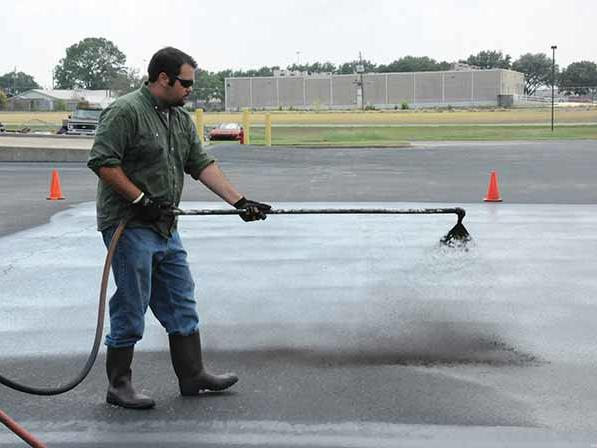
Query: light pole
[(361, 70), (297, 58), (553, 82)]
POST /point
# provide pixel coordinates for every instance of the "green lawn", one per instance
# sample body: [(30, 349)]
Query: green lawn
[(397, 136), (394, 135)]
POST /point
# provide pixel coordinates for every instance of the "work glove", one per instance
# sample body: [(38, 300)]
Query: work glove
[(147, 210), (253, 210)]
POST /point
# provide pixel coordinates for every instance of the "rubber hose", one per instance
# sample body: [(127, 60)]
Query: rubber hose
[(98, 331), (27, 437)]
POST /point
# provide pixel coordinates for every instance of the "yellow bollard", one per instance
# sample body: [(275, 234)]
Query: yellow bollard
[(247, 125), (268, 130), (200, 124)]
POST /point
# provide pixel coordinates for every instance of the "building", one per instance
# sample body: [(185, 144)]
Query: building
[(50, 100), (455, 88)]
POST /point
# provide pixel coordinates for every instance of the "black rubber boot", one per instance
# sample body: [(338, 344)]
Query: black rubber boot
[(120, 389), (185, 352)]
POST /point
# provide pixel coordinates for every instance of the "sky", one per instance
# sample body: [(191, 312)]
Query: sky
[(245, 34)]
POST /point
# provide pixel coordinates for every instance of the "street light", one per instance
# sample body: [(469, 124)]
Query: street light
[(361, 70), (553, 82)]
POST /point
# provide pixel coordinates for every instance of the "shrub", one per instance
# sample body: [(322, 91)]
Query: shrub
[(3, 100), (404, 105), (60, 106)]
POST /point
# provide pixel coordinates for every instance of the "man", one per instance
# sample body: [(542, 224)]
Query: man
[(144, 144)]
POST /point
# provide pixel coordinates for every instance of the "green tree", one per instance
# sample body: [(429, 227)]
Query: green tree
[(348, 68), (263, 71), (579, 78), (489, 59), (206, 87), (126, 82), (15, 83), (3, 100), (219, 84), (93, 63), (537, 69), (59, 106), (316, 67), (413, 64)]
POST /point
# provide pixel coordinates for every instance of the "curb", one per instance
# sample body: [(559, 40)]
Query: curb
[(22, 154), (41, 135)]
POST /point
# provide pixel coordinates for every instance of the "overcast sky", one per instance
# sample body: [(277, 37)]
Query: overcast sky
[(250, 34)]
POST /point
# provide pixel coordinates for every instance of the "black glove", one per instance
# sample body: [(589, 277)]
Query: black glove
[(147, 210), (253, 210)]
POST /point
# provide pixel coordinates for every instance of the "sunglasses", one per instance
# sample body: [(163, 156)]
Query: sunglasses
[(186, 83)]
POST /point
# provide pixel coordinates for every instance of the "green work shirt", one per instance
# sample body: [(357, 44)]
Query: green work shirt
[(153, 150)]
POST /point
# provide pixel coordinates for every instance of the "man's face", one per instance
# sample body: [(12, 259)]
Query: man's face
[(177, 94)]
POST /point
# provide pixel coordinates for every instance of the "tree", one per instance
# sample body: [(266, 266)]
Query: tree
[(413, 64), (579, 78), (206, 87), (251, 73), (15, 83), (93, 63), (59, 106), (316, 67), (348, 68), (537, 69), (219, 84), (126, 82), (3, 100), (489, 59)]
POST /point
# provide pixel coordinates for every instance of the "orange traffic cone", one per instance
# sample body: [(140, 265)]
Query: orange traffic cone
[(493, 192), (55, 190)]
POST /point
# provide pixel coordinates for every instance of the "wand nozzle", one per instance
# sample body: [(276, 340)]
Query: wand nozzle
[(458, 235)]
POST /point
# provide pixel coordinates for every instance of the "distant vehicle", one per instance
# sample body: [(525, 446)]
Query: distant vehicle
[(226, 131), (83, 121), (2, 128)]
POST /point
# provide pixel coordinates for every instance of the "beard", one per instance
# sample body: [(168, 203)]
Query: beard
[(176, 103)]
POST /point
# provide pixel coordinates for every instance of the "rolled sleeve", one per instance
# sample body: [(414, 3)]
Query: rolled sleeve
[(113, 136), (197, 159)]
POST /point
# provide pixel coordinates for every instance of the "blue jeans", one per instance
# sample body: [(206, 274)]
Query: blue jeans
[(149, 270)]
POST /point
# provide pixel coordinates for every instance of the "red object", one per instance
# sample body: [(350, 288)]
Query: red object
[(493, 192), (226, 131), (28, 438), (242, 136), (55, 190)]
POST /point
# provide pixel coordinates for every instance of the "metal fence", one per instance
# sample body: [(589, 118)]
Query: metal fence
[(378, 90)]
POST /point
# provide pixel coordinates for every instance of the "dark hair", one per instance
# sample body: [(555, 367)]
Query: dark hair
[(168, 60)]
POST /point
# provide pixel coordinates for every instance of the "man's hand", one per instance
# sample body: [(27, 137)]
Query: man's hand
[(253, 210), (147, 210)]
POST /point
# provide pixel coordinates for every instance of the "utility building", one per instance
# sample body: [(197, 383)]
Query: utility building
[(48, 100), (496, 87)]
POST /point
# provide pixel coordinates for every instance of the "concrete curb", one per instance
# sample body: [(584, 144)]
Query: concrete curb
[(23, 154), (46, 154), (52, 136)]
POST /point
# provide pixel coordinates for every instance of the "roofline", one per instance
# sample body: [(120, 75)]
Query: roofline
[(376, 74), (42, 93)]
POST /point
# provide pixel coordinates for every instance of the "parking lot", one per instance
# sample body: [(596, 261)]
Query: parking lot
[(345, 330)]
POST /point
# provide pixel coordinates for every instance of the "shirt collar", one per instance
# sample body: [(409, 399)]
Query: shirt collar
[(155, 102)]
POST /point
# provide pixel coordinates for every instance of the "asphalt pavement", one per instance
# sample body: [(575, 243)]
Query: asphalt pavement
[(345, 330)]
